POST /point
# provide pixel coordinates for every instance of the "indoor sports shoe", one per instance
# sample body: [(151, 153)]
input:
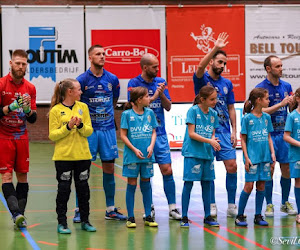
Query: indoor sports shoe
[(298, 218), (152, 213), (86, 226), (131, 223), (63, 229), (19, 221), (184, 222), (213, 210), (269, 210), (241, 221), (149, 222), (232, 210), (115, 215), (174, 214), (209, 220), (259, 220), (76, 218), (288, 208)]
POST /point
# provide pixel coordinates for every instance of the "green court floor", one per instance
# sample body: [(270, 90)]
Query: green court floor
[(282, 232)]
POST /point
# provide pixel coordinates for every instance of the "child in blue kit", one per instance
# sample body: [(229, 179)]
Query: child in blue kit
[(138, 125), (199, 142), (258, 153), (292, 136)]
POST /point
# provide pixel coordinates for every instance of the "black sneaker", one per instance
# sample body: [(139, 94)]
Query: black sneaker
[(209, 220), (184, 222), (241, 221), (259, 220)]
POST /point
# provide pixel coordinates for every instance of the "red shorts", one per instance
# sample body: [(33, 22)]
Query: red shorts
[(14, 155)]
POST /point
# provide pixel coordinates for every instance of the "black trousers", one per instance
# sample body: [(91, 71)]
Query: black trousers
[(64, 172)]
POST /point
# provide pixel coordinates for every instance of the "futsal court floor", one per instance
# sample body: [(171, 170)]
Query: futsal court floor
[(282, 232)]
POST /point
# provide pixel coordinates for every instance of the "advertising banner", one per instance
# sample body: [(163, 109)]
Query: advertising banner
[(191, 33), (53, 37), (272, 30), (127, 33)]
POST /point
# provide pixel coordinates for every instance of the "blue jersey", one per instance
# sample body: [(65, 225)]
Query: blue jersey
[(204, 126), (98, 93), (139, 132), (276, 95), (224, 89), (257, 130), (293, 125), (156, 105)]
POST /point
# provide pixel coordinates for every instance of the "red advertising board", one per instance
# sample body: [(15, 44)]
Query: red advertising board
[(124, 49), (191, 33)]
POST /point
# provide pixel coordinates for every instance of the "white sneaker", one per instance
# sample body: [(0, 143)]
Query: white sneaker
[(175, 214), (213, 210), (232, 210), (152, 213), (288, 208), (298, 218), (269, 210)]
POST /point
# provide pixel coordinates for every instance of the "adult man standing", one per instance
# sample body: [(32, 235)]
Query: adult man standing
[(217, 59), (100, 91), (280, 94), (17, 105), (159, 100)]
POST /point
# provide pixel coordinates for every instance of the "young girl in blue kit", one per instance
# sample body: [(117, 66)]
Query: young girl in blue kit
[(199, 142), (138, 125), (292, 136), (258, 153)]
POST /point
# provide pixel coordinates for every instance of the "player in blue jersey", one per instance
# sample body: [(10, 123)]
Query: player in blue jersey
[(292, 136), (199, 142), (138, 125), (159, 100), (100, 91), (280, 94), (217, 59), (258, 153)]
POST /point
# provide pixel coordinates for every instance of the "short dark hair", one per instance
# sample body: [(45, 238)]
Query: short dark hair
[(219, 52), (94, 47), (20, 53), (267, 61)]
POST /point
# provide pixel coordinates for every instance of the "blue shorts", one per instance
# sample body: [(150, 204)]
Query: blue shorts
[(258, 172), (103, 142), (162, 150), (281, 148), (196, 169), (295, 169), (227, 152), (132, 170)]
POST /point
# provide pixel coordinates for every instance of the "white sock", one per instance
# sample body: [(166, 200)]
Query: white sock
[(172, 207), (110, 209)]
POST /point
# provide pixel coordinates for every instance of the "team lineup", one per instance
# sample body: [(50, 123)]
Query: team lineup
[(82, 126)]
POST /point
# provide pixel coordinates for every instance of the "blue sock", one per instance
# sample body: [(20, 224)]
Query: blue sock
[(285, 189), (206, 185), (169, 187), (185, 198), (259, 199), (212, 192), (151, 201), (76, 200), (130, 192), (109, 187), (243, 202), (231, 180), (147, 193), (269, 191), (297, 196)]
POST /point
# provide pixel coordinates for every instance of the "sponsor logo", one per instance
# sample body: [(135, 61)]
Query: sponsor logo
[(251, 122), (62, 113), (6, 93), (132, 118), (147, 128), (155, 105), (99, 99), (205, 41)]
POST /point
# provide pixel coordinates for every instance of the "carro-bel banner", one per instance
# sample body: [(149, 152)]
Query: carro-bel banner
[(53, 38), (191, 34)]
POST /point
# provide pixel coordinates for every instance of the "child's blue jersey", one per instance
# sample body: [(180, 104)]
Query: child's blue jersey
[(293, 125), (98, 93), (204, 126), (156, 105), (257, 130), (224, 89), (139, 132), (276, 95)]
